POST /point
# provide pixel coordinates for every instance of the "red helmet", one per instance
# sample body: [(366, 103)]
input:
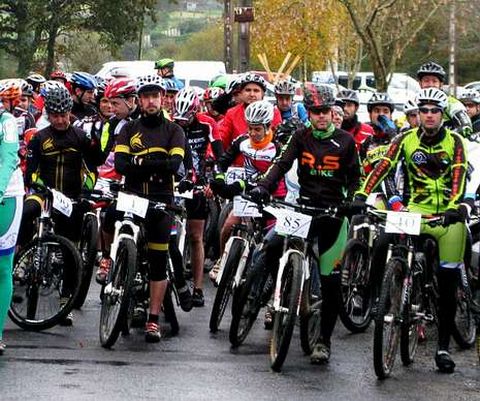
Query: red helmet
[(121, 87), (58, 74), (211, 94)]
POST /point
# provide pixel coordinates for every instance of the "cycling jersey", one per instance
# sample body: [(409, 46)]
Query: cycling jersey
[(82, 110), (297, 111), (436, 169), (64, 160), (328, 166), (160, 145), (358, 130), (97, 128)]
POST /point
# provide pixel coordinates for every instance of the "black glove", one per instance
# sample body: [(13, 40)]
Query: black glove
[(217, 185), (259, 194), (229, 191), (358, 205), (453, 216), (185, 185)]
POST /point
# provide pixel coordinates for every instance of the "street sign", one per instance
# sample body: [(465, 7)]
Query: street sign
[(243, 14)]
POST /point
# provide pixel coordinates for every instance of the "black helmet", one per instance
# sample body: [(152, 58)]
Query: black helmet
[(58, 100), (380, 99), (252, 78), (348, 95), (431, 68), (318, 96)]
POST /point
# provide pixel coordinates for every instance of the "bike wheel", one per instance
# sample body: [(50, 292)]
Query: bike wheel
[(43, 297), (310, 316), (250, 299), (117, 293), (386, 334), (411, 322), (357, 299), (88, 252), (465, 328), (211, 237), (169, 311), (284, 318), (224, 290)]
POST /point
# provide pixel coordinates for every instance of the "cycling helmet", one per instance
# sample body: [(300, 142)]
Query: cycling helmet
[(150, 83), (101, 87), (348, 95), (83, 80), (35, 79), (58, 74), (27, 89), (58, 100), (317, 96), (409, 106), (11, 89), (186, 104), (251, 78), (164, 63), (47, 86), (284, 87), (259, 112), (121, 87), (234, 83), (432, 96), (470, 96), (219, 81), (431, 68), (211, 94), (170, 85), (380, 99)]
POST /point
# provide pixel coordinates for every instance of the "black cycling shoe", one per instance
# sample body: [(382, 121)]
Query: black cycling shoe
[(185, 298), (444, 362), (197, 298)]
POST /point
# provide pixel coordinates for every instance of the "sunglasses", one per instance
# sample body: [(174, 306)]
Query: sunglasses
[(433, 110)]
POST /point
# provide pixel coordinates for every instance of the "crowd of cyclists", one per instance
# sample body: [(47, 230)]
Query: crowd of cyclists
[(154, 137)]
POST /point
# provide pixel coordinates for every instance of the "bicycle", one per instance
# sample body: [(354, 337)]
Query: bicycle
[(127, 283), (47, 271)]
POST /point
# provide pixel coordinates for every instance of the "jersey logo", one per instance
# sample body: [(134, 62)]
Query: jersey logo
[(419, 158), (328, 164), (136, 142), (48, 145)]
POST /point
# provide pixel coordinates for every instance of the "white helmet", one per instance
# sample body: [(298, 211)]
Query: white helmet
[(186, 104), (470, 95), (284, 87), (234, 83), (259, 112), (409, 106), (149, 83), (433, 96)]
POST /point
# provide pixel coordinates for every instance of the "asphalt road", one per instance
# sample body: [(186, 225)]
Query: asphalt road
[(69, 364)]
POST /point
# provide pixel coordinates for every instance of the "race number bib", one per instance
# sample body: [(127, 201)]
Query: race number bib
[(244, 208), (290, 223), (132, 204), (403, 223), (234, 174), (61, 203)]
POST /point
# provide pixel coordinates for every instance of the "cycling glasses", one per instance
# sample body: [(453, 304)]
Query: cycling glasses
[(433, 110)]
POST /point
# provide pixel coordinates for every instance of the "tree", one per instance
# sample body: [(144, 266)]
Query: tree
[(387, 28)]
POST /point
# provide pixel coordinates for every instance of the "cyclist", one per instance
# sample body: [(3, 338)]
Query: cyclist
[(36, 80), (59, 156), (148, 163), (338, 116), (231, 97), (25, 105), (259, 149), (351, 103), (471, 100), (201, 131), (59, 75), (432, 75), (410, 108), (11, 203), (83, 94), (435, 159), (253, 88), (284, 91), (164, 68), (171, 90), (209, 96), (328, 171)]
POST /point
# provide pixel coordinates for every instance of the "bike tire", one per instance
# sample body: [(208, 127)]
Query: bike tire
[(310, 316), (224, 290), (410, 323), (211, 237), (248, 305), (284, 321), (116, 300), (88, 252), (355, 289), (30, 321), (465, 328), (389, 311), (169, 311)]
